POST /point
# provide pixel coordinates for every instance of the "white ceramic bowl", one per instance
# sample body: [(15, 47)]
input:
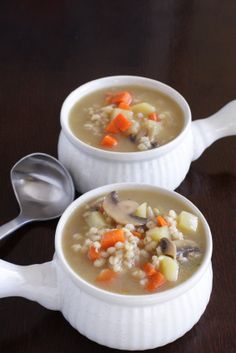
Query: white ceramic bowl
[(165, 166), (130, 322)]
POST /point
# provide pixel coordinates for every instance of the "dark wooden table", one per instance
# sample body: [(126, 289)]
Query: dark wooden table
[(50, 48)]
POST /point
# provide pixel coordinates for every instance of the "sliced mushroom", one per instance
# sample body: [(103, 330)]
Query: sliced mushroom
[(168, 247), (95, 206), (132, 138), (128, 206), (154, 144), (184, 247), (136, 137), (121, 211), (150, 213)]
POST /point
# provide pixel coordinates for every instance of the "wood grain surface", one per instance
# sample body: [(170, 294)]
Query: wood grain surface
[(47, 49)]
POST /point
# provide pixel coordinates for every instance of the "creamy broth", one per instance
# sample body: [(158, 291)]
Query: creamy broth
[(88, 127), (125, 283)]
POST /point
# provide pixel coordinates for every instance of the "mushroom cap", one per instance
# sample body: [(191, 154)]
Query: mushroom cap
[(128, 206), (185, 246), (121, 211), (168, 247)]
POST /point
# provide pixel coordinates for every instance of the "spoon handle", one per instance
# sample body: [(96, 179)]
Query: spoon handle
[(11, 226)]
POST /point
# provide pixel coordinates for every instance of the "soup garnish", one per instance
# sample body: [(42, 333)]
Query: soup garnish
[(122, 241)]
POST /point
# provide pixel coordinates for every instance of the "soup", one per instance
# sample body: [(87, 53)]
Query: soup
[(134, 242), (126, 119)]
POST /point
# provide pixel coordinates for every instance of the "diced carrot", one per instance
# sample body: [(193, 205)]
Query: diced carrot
[(93, 253), (112, 128), (101, 209), (108, 97), (106, 275), (108, 141), (123, 105), (155, 281), (161, 221), (137, 234), (110, 238), (122, 123), (149, 269), (124, 97), (153, 116)]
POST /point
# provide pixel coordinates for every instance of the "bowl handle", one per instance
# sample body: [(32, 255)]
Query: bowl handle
[(208, 130), (35, 282)]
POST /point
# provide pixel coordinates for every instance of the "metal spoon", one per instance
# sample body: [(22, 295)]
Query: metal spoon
[(43, 188)]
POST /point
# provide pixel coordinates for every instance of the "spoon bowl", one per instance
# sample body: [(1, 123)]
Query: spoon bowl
[(43, 188)]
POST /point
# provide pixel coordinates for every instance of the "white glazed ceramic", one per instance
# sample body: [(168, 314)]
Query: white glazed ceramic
[(134, 322), (165, 166)]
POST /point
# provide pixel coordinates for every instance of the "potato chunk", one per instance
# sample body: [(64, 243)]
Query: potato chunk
[(169, 268), (141, 210), (95, 219), (144, 108), (158, 233), (187, 221), (126, 113)]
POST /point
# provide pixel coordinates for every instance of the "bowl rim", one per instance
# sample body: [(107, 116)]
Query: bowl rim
[(123, 80), (127, 299)]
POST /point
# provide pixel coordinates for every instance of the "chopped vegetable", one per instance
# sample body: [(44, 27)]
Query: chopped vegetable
[(106, 275), (184, 247), (122, 123), (127, 113), (124, 106), (168, 247), (101, 209), (108, 141), (157, 233), (141, 210), (149, 269), (187, 221), (112, 128), (161, 221), (112, 237), (137, 234), (144, 108), (155, 281), (93, 253), (121, 97), (95, 219), (169, 268), (121, 211), (153, 116), (108, 97)]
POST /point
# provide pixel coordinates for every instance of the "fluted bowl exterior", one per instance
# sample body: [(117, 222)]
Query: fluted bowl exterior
[(132, 322), (90, 171), (133, 327)]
